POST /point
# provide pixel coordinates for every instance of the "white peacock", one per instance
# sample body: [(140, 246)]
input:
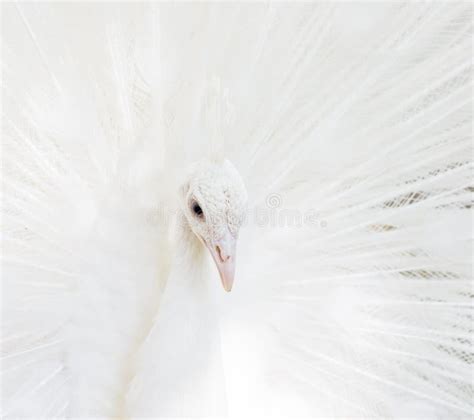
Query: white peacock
[(114, 238)]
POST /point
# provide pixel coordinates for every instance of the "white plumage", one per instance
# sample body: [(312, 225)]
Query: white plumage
[(351, 126)]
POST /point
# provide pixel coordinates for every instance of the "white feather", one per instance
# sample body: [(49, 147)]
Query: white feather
[(358, 116)]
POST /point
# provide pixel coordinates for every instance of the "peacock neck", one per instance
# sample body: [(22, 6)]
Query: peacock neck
[(187, 354)]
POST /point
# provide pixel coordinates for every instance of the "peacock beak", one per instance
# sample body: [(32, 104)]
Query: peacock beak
[(223, 254)]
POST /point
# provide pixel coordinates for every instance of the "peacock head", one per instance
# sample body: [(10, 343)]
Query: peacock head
[(214, 200)]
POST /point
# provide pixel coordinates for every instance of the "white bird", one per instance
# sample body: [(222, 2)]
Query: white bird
[(314, 158)]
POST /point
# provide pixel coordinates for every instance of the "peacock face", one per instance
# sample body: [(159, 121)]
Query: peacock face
[(214, 202)]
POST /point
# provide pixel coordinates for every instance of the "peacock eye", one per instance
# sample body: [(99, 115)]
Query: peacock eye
[(197, 210)]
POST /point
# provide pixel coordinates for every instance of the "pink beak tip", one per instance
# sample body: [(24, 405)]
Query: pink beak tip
[(223, 254)]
